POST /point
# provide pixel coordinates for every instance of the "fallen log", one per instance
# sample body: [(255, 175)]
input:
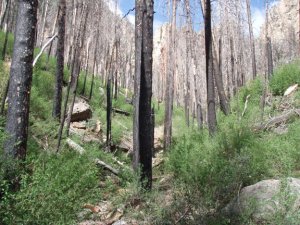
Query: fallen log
[(73, 145), (107, 167), (277, 120), (120, 111)]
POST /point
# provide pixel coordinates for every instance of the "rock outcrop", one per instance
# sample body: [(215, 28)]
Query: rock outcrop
[(267, 200), (81, 111)]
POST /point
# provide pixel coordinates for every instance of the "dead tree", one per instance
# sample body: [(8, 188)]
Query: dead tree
[(60, 60), (169, 94), (224, 105), (77, 64), (4, 14), (44, 16), (143, 120), (52, 33), (86, 67), (252, 44), (211, 109), (20, 80), (95, 60), (7, 29)]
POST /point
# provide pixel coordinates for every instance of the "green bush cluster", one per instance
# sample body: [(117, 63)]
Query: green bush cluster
[(217, 167), (285, 76), (55, 190)]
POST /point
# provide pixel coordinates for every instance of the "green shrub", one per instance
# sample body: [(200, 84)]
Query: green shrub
[(57, 189), (39, 106), (214, 168), (44, 82), (285, 76)]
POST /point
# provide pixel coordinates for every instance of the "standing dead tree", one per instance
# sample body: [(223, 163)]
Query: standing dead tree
[(169, 94), (60, 60), (143, 123), (20, 80), (211, 110), (253, 56)]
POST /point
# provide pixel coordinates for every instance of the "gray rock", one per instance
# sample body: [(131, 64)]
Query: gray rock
[(120, 222), (81, 111), (267, 199)]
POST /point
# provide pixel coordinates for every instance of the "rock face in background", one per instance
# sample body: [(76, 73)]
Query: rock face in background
[(81, 111), (284, 29), (267, 200)]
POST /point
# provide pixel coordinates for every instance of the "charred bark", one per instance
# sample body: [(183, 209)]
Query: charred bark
[(143, 119), (211, 109), (20, 80), (7, 30), (60, 60)]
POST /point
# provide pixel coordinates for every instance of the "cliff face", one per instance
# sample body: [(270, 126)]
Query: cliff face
[(284, 19), (284, 29)]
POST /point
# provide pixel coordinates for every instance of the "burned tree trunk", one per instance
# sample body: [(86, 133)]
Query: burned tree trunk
[(60, 60), (169, 95), (224, 105), (20, 80), (251, 39), (86, 67), (7, 30), (143, 119), (4, 96), (269, 58), (93, 71), (211, 110)]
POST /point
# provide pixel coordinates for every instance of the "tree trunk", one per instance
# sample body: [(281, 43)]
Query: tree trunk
[(211, 110), (169, 96), (20, 80), (108, 112), (93, 71), (53, 32), (4, 96), (42, 34), (60, 60), (253, 56), (270, 58), (4, 14), (7, 30), (143, 118), (224, 105), (86, 68), (233, 76)]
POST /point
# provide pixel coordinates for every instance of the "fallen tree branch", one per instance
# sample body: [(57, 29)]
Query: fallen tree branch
[(246, 105), (277, 120), (43, 48), (106, 166), (40, 143), (73, 145), (120, 111)]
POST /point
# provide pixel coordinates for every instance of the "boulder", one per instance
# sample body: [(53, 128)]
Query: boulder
[(81, 111), (266, 200)]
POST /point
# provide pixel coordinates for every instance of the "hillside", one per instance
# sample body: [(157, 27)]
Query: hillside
[(105, 122), (68, 188)]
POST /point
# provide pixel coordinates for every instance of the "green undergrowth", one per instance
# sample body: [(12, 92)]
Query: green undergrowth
[(206, 171), (54, 186), (285, 76), (212, 170)]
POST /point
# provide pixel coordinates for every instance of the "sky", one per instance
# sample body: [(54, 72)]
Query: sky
[(160, 16)]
